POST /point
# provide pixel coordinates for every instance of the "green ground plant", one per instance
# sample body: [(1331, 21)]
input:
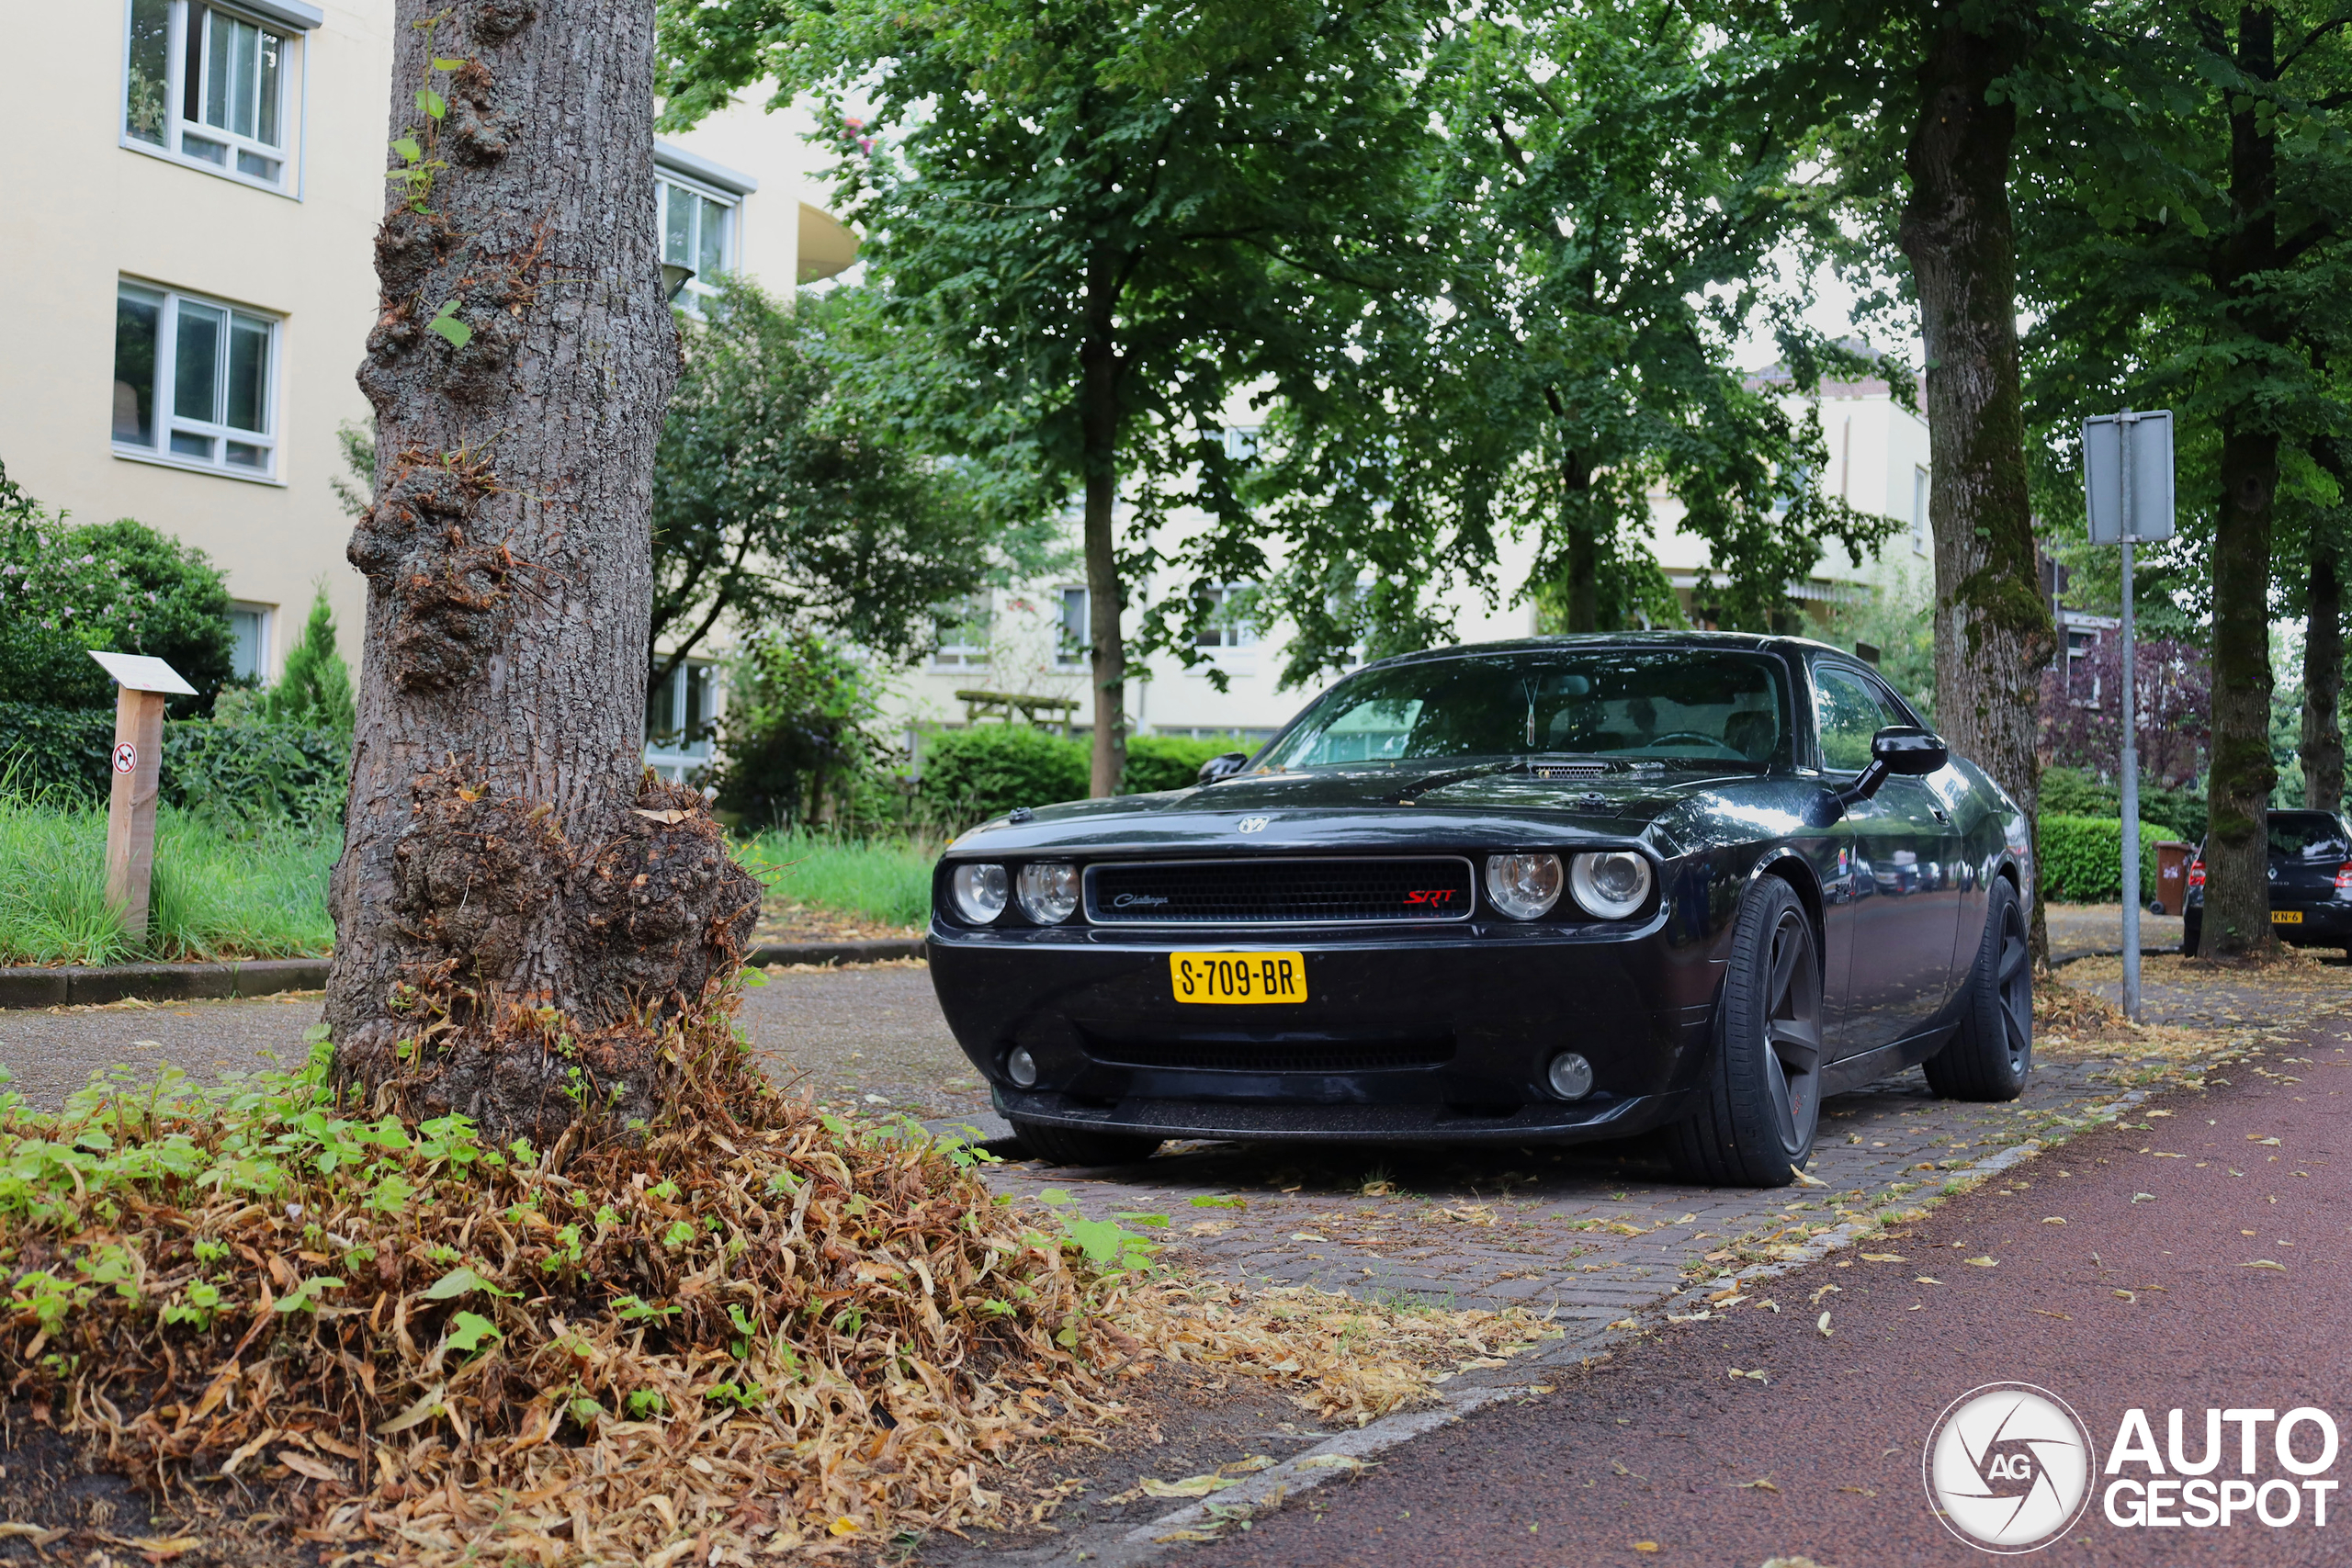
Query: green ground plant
[(887, 880), (218, 894)]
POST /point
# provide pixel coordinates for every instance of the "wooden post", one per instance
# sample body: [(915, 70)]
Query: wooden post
[(143, 684)]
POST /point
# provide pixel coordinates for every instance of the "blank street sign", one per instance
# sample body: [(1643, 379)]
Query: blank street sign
[(143, 673), (2150, 475)]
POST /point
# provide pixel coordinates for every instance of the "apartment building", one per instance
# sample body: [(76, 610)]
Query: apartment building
[(190, 242)]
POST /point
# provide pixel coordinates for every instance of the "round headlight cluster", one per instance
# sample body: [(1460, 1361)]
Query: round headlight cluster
[(1048, 891), (1613, 884), (1523, 886), (979, 892)]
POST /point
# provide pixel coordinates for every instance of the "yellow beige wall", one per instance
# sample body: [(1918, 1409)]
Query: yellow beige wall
[(84, 212)]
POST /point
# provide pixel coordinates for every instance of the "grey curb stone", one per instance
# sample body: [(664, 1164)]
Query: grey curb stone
[(49, 987)]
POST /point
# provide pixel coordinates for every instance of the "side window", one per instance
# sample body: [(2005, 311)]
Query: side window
[(1849, 711)]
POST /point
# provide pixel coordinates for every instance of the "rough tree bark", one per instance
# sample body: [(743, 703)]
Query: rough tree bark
[(1099, 420), (1994, 631), (526, 926), (2237, 857), (2323, 738)]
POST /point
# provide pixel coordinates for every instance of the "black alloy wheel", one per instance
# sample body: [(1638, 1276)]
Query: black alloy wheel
[(1760, 1103), (1992, 1053)]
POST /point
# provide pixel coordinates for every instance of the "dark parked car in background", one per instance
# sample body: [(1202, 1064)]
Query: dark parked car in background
[(1561, 890), (2310, 882)]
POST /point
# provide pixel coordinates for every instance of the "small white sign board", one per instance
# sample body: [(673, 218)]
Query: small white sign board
[(143, 673), (2149, 498)]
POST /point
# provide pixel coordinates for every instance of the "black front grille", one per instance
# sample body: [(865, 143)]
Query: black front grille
[(1272, 1056), (1246, 892)]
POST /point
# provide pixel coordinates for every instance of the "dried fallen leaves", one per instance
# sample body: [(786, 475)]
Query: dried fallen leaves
[(768, 1330)]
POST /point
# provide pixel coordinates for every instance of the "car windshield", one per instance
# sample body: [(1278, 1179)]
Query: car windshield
[(1697, 707), (2308, 835)]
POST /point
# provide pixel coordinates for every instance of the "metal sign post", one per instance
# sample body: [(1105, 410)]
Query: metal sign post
[(2127, 484), (143, 682)]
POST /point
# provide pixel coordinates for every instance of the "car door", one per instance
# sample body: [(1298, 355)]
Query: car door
[(1897, 857)]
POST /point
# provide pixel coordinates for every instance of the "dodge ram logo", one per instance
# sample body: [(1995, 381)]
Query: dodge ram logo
[(1251, 825)]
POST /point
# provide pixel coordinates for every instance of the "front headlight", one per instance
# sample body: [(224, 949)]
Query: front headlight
[(1523, 886), (1048, 891), (1613, 884), (979, 892)]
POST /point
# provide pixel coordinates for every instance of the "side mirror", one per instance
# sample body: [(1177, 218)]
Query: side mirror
[(1222, 766), (1898, 749)]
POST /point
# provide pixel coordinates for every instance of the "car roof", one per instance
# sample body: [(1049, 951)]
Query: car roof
[(1745, 642)]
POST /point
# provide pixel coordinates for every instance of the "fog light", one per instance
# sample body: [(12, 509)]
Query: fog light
[(1571, 1076), (1022, 1069), (979, 892)]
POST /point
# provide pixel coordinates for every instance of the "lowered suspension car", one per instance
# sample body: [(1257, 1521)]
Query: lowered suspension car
[(1562, 889)]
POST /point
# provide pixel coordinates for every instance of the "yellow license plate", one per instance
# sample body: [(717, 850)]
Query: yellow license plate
[(1251, 978), (2286, 917)]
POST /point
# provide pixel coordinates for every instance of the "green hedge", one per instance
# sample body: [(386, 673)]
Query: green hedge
[(245, 772), (2076, 792), (2082, 859), (970, 774)]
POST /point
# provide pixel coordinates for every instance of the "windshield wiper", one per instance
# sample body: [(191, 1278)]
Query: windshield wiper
[(1420, 787)]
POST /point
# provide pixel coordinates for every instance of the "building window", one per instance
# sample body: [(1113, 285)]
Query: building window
[(1241, 442), (249, 623), (211, 87), (680, 713), (1225, 629), (1918, 512), (1074, 637), (698, 232), (960, 632), (194, 381)]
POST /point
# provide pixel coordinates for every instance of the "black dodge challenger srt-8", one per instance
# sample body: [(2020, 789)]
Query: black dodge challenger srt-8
[(1560, 889)]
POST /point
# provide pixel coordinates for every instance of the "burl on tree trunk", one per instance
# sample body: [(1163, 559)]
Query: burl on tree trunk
[(527, 926), (1994, 631)]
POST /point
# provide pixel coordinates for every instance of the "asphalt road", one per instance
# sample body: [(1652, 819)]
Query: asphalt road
[(2147, 1296)]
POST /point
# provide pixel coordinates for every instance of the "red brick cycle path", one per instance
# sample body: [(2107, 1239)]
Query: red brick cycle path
[(2144, 1297)]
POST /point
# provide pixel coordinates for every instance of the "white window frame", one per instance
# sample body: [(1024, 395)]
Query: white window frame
[(291, 22), (1919, 489), (1234, 643), (700, 287), (270, 439), (265, 635), (1070, 649), (964, 654), (672, 761)]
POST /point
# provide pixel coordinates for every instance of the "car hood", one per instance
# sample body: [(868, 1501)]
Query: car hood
[(1393, 806)]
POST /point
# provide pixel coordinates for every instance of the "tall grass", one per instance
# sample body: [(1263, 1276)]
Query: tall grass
[(887, 880), (215, 894)]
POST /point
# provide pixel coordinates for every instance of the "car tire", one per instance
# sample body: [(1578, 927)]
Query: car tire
[(1989, 1057), (1760, 1102), (1058, 1145)]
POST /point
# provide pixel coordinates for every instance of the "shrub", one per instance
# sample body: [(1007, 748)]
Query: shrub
[(315, 690), (1172, 761), (2082, 859), (117, 586), (797, 733), (234, 770), (2078, 792), (971, 775)]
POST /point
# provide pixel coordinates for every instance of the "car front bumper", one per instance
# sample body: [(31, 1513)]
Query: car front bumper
[(1427, 1034)]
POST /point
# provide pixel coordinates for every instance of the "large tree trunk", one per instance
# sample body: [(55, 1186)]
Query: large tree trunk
[(1993, 632), (2322, 739), (1099, 428), (1583, 595), (526, 929), (2237, 850)]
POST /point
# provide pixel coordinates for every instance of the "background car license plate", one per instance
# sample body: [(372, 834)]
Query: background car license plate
[(1254, 978), (2286, 917)]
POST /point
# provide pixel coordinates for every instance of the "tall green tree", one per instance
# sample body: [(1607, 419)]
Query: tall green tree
[(2194, 245), (1602, 205), (1104, 214), (784, 496)]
